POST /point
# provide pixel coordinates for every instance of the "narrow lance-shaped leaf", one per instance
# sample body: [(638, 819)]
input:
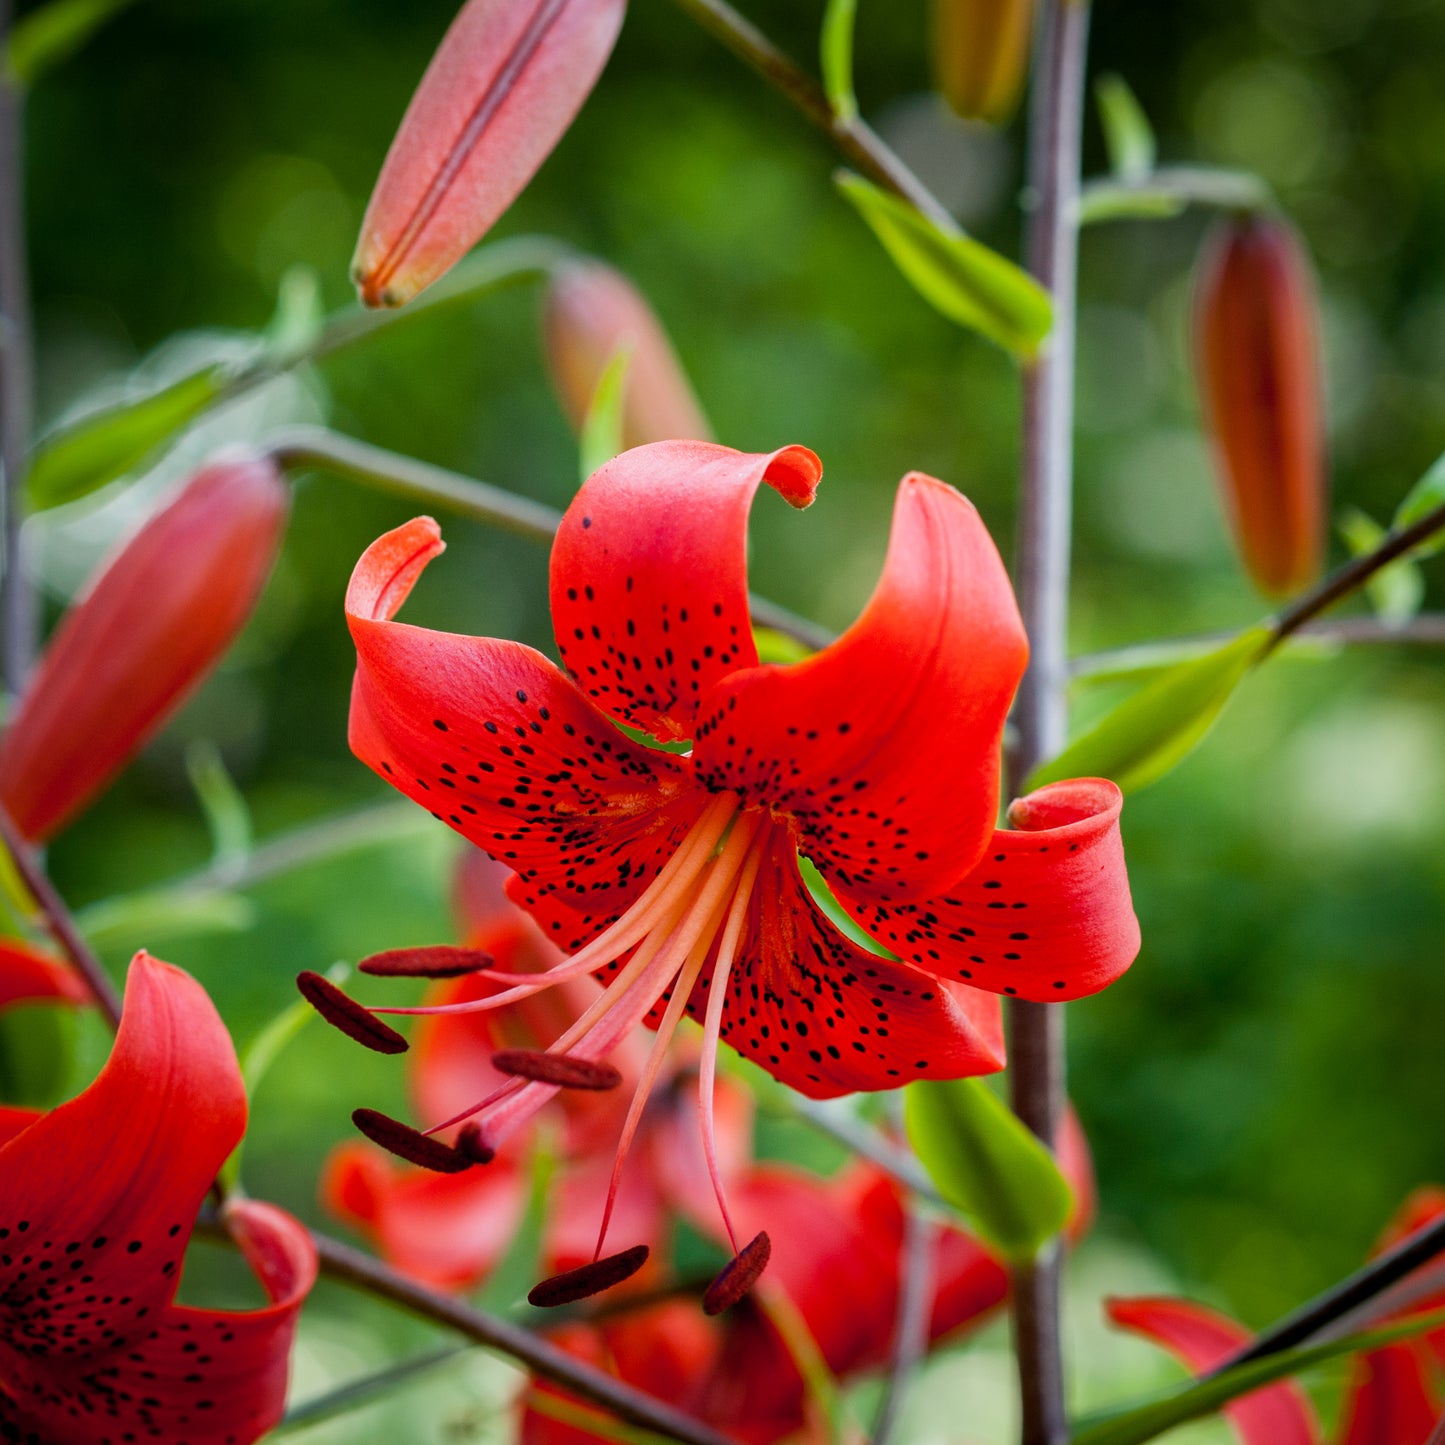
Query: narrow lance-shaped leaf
[(987, 1164), (1150, 733), (835, 47), (81, 458), (1424, 497), (958, 276), (47, 37), (499, 94), (1395, 591), (1127, 132)]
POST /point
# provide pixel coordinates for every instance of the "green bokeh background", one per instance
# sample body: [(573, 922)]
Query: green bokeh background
[(1265, 1086)]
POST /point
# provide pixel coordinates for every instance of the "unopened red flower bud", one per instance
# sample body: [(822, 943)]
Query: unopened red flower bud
[(148, 629), (499, 94), (1257, 355), (981, 55), (592, 312)]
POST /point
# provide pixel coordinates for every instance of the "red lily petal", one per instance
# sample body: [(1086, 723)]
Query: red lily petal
[(676, 1150), (1076, 1164), (826, 1017), (649, 575), (1046, 915), (499, 94), (150, 627), (1390, 1399), (638, 1216), (29, 975), (494, 740), (447, 1230), (105, 1188), (1275, 1415), (591, 313), (14, 1121), (884, 746)]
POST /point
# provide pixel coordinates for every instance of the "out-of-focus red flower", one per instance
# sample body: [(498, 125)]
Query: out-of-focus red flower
[(1257, 355), (499, 94), (676, 878), (592, 312), (1391, 1399), (981, 55), (97, 1200), (147, 630), (29, 975)]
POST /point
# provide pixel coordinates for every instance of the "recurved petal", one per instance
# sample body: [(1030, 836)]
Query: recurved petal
[(649, 575), (148, 629), (492, 739), (28, 975), (1390, 1399), (826, 1017), (1199, 1337), (885, 745), (499, 94), (592, 312), (1046, 915)]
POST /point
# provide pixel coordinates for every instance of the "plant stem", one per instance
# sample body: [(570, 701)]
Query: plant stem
[(910, 1333), (853, 136), (57, 920), (1036, 1044), (304, 448), (17, 597)]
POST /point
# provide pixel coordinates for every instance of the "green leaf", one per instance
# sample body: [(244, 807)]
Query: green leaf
[(601, 438), (987, 1164), (50, 35), (1153, 731), (299, 320), (37, 1044), (775, 646), (956, 275), (1204, 1397), (1127, 133), (835, 46), (227, 815), (1427, 494), (1395, 591), (163, 913), (81, 458), (1129, 203)]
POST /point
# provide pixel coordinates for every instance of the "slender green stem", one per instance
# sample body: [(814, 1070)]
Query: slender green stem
[(1167, 191), (1036, 1035), (307, 448)]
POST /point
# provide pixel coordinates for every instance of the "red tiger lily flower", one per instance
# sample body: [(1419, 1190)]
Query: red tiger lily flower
[(1391, 1399), (676, 877), (29, 975), (97, 1200), (148, 629), (504, 85)]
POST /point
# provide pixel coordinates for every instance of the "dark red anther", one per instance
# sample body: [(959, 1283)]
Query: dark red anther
[(410, 1144), (350, 1017), (567, 1071), (588, 1279), (471, 1144), (738, 1276), (441, 961)]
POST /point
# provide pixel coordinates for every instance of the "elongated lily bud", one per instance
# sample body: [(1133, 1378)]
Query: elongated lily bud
[(981, 55), (497, 97), (591, 313), (150, 626), (1257, 353)]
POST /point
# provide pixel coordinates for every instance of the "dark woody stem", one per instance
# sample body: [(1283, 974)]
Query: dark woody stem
[(1036, 1035)]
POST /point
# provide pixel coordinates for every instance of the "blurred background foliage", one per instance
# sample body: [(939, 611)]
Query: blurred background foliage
[(1264, 1087)]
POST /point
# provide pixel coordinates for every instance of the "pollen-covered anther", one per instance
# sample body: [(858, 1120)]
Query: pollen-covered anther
[(438, 961), (344, 1013), (588, 1279), (739, 1275), (566, 1071), (410, 1144), (472, 1145)]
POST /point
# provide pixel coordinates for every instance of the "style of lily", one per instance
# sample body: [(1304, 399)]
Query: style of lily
[(1392, 1397), (676, 877), (839, 1254), (97, 1200)]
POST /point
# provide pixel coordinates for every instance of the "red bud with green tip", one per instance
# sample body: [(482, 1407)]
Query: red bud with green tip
[(981, 55), (499, 94), (592, 312), (1258, 360), (147, 630)]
